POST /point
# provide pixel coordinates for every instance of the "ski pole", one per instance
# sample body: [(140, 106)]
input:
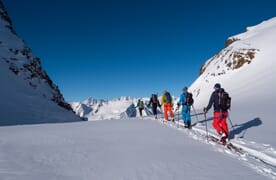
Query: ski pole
[(178, 114), (162, 113), (195, 113), (206, 125), (231, 122), (176, 109), (178, 119)]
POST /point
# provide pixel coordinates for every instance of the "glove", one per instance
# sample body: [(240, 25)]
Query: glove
[(178, 105), (205, 110)]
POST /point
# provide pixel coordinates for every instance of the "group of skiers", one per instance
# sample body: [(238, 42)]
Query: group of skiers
[(217, 100)]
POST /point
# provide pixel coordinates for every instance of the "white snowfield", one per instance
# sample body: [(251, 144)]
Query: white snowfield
[(132, 148)]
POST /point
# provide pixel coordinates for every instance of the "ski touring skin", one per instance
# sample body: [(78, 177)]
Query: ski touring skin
[(228, 145)]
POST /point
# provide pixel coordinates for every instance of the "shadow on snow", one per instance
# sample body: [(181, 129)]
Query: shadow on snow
[(242, 128)]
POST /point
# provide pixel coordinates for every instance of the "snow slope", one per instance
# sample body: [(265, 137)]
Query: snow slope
[(118, 149), (250, 82), (27, 93)]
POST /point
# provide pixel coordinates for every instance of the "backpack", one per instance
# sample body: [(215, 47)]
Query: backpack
[(224, 100), (154, 98), (168, 97), (141, 105), (189, 99)]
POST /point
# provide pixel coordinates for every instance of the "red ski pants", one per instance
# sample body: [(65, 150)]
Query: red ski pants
[(168, 107), (219, 122)]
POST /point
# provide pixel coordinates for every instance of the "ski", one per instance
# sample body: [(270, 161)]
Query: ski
[(228, 145)]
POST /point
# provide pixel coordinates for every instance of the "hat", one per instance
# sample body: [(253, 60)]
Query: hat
[(185, 88), (217, 86)]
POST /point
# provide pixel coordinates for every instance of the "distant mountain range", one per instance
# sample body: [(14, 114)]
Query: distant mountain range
[(92, 109)]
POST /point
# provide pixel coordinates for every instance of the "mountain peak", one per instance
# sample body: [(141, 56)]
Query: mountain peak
[(4, 16), (240, 49), (244, 65), (25, 80)]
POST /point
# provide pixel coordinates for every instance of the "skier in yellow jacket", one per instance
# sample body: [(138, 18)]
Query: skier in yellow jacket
[(166, 100)]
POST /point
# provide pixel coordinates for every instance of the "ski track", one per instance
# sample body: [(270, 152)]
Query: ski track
[(259, 157)]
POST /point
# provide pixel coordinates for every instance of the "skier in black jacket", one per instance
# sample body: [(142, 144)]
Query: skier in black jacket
[(155, 103), (220, 115)]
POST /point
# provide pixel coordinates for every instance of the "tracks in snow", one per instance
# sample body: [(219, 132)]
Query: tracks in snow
[(261, 158)]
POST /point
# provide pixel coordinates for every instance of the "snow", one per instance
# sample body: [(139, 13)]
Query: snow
[(251, 86), (123, 107), (118, 149), (23, 95), (124, 146)]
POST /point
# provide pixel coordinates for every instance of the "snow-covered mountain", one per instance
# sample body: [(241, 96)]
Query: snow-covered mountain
[(246, 68), (123, 107), (27, 93)]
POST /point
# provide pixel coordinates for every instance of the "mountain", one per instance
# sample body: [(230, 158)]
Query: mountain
[(123, 107), (246, 69), (27, 93)]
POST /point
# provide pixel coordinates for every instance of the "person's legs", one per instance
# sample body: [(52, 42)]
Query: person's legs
[(184, 117), (165, 111), (140, 110), (170, 110), (188, 115), (216, 123), (224, 123), (154, 111)]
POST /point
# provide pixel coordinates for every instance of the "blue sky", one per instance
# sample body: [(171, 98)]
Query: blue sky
[(111, 48)]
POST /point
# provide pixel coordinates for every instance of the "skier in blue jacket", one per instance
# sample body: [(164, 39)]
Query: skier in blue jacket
[(186, 116)]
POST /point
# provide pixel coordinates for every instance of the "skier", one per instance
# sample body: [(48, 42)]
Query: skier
[(186, 101), (220, 115), (155, 103), (140, 105), (167, 101)]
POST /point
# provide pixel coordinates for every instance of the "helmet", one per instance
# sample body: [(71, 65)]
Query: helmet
[(217, 86), (185, 89)]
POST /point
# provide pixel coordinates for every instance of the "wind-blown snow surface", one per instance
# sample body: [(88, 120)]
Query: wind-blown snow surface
[(115, 149)]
